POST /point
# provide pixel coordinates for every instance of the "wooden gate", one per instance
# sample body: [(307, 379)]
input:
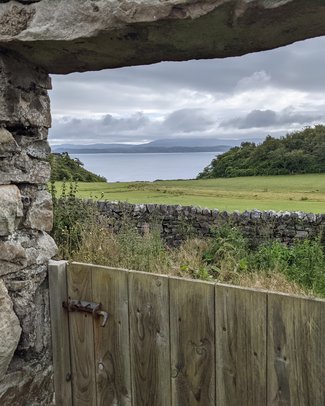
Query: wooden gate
[(171, 341)]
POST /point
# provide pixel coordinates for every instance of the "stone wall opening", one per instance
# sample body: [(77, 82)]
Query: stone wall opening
[(39, 37)]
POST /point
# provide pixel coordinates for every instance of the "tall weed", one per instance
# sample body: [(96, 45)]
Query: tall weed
[(71, 216), (302, 263), (125, 249), (84, 235)]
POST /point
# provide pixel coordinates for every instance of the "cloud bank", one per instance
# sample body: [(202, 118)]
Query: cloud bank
[(271, 92)]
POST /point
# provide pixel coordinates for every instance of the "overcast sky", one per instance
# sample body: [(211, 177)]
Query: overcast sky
[(251, 96)]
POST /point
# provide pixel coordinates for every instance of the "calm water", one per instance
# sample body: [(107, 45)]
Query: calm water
[(130, 167)]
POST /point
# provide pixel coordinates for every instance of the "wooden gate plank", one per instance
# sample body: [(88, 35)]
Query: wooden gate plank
[(296, 351), (240, 346), (112, 351), (149, 339), (60, 333), (192, 342), (82, 338)]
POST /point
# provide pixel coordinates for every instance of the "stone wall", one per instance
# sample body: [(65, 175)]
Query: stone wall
[(25, 246), (178, 222)]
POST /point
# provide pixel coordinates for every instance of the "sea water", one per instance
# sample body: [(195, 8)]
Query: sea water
[(146, 166)]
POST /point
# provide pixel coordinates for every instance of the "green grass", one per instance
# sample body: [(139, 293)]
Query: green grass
[(293, 193)]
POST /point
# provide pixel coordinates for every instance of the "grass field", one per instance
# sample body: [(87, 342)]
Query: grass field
[(293, 193)]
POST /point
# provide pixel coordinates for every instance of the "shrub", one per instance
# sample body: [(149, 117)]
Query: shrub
[(303, 263), (71, 215), (227, 252), (84, 235), (65, 168)]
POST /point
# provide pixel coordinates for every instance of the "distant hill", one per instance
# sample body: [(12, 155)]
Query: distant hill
[(299, 152), (158, 146), (65, 168)]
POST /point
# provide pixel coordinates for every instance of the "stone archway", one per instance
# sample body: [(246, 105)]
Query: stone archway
[(39, 37)]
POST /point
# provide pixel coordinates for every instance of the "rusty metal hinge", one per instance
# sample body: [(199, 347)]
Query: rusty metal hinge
[(88, 307)]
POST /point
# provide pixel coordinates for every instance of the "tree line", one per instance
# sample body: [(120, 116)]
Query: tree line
[(298, 152), (65, 168)]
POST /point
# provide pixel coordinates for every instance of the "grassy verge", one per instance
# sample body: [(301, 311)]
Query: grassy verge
[(84, 236), (293, 193), (225, 258)]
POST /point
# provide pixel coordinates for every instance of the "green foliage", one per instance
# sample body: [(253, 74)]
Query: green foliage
[(129, 249), (227, 251), (71, 214), (303, 263), (299, 152), (65, 168), (140, 251), (84, 235)]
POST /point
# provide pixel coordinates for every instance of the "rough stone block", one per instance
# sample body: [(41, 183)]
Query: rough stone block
[(23, 93), (30, 386), (29, 294), (12, 257), (40, 212), (38, 149), (10, 330), (23, 250), (25, 136), (41, 250), (301, 234), (21, 168), (7, 143), (11, 209)]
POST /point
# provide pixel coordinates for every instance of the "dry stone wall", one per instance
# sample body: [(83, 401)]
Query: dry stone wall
[(179, 222), (25, 246)]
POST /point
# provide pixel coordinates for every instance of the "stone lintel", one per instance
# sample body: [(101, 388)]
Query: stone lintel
[(82, 35)]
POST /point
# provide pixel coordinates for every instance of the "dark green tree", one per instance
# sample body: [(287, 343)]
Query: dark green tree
[(298, 152)]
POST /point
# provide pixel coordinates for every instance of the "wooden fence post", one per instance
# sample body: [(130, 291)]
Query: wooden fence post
[(60, 333)]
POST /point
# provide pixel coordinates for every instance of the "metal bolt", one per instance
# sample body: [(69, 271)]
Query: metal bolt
[(101, 366)]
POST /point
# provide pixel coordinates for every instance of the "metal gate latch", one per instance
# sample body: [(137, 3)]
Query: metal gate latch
[(88, 307)]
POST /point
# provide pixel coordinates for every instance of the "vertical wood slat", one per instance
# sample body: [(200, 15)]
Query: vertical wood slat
[(192, 342), (112, 351), (82, 338), (60, 333), (241, 338), (149, 339), (161, 308), (296, 351)]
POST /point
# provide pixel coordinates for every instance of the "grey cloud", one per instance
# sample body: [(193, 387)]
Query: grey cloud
[(297, 66), (269, 118), (188, 120), (106, 128), (135, 128), (134, 122), (159, 89)]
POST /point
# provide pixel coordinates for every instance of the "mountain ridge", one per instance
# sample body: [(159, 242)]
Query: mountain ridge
[(156, 146)]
